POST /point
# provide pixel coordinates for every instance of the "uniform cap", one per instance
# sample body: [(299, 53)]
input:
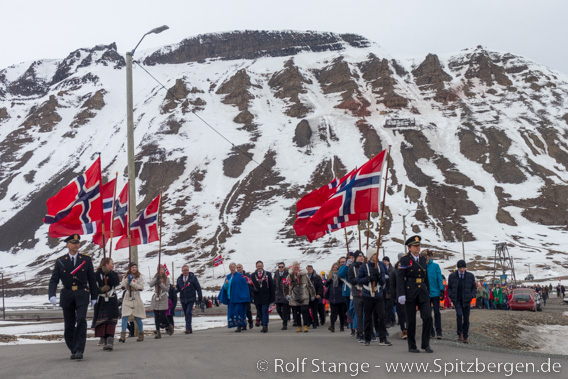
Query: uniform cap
[(73, 238), (414, 240)]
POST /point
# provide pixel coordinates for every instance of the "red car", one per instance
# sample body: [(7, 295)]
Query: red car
[(525, 299)]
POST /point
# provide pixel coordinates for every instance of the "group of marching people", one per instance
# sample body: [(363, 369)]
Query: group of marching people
[(109, 308), (355, 286)]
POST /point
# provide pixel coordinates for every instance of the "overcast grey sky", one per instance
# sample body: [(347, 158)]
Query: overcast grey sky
[(41, 29)]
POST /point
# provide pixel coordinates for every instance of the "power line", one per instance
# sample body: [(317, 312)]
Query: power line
[(202, 120)]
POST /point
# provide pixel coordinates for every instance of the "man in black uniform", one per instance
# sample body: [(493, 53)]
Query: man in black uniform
[(412, 289), (78, 278)]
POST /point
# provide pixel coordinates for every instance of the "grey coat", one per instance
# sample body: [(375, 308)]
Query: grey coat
[(160, 297), (301, 289)]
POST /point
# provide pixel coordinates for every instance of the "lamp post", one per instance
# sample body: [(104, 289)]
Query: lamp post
[(404, 227), (130, 136)]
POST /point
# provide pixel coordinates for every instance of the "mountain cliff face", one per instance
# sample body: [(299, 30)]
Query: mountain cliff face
[(479, 147)]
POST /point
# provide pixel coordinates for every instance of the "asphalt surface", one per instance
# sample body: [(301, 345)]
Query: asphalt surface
[(220, 352)]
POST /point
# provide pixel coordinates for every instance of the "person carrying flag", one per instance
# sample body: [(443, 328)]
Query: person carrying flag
[(76, 273), (159, 303), (189, 291)]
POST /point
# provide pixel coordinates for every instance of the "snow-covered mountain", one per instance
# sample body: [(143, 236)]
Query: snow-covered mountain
[(479, 148)]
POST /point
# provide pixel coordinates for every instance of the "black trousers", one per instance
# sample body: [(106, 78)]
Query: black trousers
[(358, 305), (338, 309), (435, 303), (249, 313), (314, 311), (283, 310), (302, 312), (75, 334), (401, 313), (389, 311), (321, 311), (425, 315), (160, 318), (462, 318), (374, 310)]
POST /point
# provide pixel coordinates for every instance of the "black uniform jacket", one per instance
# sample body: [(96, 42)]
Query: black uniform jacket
[(76, 287), (412, 279)]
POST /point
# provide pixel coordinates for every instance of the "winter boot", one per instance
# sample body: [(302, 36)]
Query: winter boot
[(122, 337), (305, 328), (299, 330), (101, 341), (170, 329), (158, 334), (109, 343), (140, 336)]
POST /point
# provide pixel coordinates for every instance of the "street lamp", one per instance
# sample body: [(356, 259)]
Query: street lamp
[(130, 136), (404, 227)]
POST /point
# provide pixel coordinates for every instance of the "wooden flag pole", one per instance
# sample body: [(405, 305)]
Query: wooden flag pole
[(368, 229), (102, 208), (346, 242), (381, 219), (160, 226), (112, 217), (359, 230)]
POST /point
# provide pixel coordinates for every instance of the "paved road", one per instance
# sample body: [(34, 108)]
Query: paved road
[(217, 353)]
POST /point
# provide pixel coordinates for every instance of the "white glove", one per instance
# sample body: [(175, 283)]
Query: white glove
[(312, 298), (402, 299), (93, 302), (288, 298), (53, 300)]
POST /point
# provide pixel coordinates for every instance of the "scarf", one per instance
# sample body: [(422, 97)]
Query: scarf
[(335, 279)]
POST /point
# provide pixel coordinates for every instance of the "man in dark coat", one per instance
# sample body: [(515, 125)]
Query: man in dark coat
[(318, 285), (188, 286), (281, 290), (263, 293), (76, 273), (400, 311), (413, 291), (461, 290)]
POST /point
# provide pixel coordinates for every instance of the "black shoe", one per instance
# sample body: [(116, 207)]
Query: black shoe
[(264, 329), (439, 336), (294, 324), (72, 356), (257, 324), (385, 342), (432, 334), (284, 327), (244, 328), (314, 326), (341, 328), (367, 343), (238, 329), (78, 355), (411, 350), (250, 325), (428, 349)]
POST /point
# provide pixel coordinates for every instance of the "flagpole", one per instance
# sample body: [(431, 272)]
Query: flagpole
[(368, 228), (112, 217), (102, 207), (359, 230), (381, 219), (383, 205), (128, 228), (346, 242)]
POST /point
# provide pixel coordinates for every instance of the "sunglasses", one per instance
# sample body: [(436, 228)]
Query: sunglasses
[(280, 266)]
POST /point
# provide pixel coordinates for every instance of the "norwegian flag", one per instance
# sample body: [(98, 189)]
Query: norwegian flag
[(166, 270), (249, 280), (355, 196), (145, 229), (107, 193), (308, 205), (77, 206), (218, 260), (286, 281), (120, 213)]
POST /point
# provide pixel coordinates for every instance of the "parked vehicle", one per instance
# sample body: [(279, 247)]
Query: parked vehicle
[(525, 299)]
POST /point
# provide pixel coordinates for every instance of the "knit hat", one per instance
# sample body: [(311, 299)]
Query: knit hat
[(371, 251), (461, 263)]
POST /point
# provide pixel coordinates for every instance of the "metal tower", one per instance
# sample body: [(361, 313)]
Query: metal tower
[(505, 262)]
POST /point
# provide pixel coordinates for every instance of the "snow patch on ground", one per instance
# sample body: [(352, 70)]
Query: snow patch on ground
[(548, 339)]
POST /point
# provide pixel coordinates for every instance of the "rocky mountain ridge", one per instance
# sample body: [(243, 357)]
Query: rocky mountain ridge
[(479, 145)]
